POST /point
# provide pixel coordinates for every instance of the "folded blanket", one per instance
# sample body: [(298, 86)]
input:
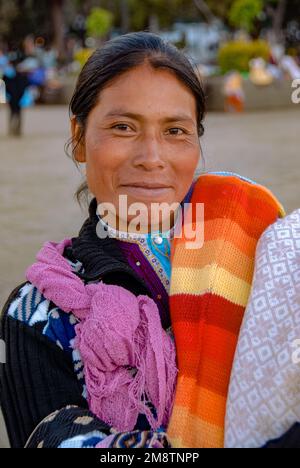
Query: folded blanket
[(264, 393), (210, 288)]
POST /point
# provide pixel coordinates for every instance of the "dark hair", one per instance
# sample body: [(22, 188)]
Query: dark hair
[(118, 56)]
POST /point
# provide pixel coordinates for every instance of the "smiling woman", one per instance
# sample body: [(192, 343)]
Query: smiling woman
[(137, 124), (147, 147), (128, 339)]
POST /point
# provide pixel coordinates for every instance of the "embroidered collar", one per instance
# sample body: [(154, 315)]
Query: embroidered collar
[(129, 236), (101, 257)]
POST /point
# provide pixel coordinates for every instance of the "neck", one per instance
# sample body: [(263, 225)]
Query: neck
[(139, 225), (117, 228)]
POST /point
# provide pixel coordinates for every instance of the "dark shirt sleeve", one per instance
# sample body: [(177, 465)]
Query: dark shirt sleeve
[(70, 427), (290, 439), (36, 379), (74, 427), (41, 397)]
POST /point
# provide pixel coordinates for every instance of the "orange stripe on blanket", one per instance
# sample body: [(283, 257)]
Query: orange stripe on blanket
[(233, 260), (212, 355), (253, 226), (197, 434), (225, 184), (238, 210), (234, 202), (235, 235), (210, 406)]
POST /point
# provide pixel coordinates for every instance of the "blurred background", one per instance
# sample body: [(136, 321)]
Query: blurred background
[(246, 51)]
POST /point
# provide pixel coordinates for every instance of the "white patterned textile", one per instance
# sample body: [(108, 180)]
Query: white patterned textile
[(264, 394)]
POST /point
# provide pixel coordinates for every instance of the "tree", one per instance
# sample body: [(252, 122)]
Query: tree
[(205, 10), (125, 16), (244, 13), (99, 22), (57, 16), (8, 11), (277, 11), (154, 14), (51, 18)]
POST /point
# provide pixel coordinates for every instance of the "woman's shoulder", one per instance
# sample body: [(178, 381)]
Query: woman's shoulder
[(27, 308), (25, 303), (14, 299), (34, 313)]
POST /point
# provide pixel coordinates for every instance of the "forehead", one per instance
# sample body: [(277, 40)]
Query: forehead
[(145, 90)]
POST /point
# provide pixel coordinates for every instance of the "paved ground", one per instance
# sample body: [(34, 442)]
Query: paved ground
[(37, 180)]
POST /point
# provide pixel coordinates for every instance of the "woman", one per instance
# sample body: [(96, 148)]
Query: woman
[(91, 359), (16, 83)]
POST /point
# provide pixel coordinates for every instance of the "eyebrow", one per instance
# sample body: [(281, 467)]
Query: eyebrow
[(132, 115)]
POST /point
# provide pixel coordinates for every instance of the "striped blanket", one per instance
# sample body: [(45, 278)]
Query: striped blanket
[(210, 288)]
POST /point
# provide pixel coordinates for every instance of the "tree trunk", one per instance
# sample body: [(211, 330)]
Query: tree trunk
[(125, 16), (278, 20), (58, 26), (205, 10), (153, 23)]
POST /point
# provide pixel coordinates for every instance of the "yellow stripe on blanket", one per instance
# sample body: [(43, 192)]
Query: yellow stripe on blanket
[(210, 279)]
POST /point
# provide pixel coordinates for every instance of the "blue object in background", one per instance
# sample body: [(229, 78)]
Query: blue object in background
[(3, 61), (37, 77), (9, 71), (3, 64), (27, 100)]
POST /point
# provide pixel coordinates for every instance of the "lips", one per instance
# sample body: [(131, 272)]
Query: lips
[(149, 191), (146, 185)]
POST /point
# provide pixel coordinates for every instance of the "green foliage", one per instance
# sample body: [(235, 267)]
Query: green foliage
[(165, 10), (220, 8), (236, 55), (21, 17), (99, 22), (244, 13), (82, 55)]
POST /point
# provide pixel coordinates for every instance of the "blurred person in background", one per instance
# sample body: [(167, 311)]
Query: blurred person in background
[(16, 83), (3, 62)]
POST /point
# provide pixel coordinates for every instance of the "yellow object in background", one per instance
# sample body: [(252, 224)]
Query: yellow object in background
[(259, 74)]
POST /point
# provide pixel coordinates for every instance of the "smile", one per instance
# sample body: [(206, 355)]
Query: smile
[(146, 190)]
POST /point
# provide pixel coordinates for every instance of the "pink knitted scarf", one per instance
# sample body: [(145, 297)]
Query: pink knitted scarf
[(129, 360)]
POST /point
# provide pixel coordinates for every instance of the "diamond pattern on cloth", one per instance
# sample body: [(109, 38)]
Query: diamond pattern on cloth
[(264, 394)]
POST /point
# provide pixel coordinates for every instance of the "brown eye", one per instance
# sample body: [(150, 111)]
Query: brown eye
[(176, 131), (121, 127)]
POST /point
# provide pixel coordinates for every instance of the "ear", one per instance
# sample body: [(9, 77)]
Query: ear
[(76, 131)]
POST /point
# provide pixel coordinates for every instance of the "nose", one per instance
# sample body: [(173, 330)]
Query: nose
[(150, 154)]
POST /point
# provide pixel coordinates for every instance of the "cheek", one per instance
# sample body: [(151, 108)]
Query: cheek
[(186, 164), (103, 160)]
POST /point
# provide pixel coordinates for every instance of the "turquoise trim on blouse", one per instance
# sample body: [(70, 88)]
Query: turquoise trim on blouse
[(155, 246)]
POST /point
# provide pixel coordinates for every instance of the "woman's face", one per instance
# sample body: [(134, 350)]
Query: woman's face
[(141, 139)]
